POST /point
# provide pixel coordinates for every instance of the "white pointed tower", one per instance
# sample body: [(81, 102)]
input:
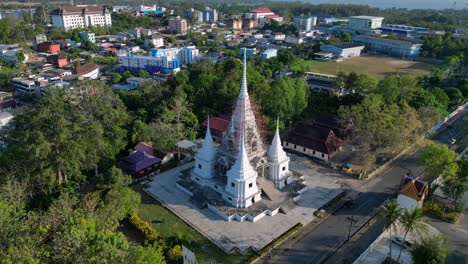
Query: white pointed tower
[(205, 158), (243, 118), (279, 162), (241, 186)]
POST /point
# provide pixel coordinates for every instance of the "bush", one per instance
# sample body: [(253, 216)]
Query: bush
[(175, 254), (452, 216), (148, 231), (433, 209)]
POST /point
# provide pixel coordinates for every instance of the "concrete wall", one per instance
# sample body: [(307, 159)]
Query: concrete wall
[(307, 151)]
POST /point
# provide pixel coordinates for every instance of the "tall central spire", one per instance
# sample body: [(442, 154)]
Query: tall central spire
[(243, 90)]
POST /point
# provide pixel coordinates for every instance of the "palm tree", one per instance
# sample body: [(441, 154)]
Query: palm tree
[(392, 213), (411, 220)]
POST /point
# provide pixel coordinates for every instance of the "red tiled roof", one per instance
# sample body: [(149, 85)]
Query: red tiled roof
[(262, 10), (218, 124), (145, 147), (273, 16)]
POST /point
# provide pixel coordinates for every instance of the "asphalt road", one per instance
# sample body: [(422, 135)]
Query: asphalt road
[(455, 130), (458, 237), (315, 245)]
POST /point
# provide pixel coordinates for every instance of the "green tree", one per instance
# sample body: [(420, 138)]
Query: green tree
[(150, 254), (127, 74), (175, 254), (412, 221), (439, 160), (392, 213), (21, 57), (143, 74), (441, 96), (430, 250), (286, 99), (116, 78), (389, 89)]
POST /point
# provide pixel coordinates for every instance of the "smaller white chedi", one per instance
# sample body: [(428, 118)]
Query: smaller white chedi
[(206, 157), (279, 162)]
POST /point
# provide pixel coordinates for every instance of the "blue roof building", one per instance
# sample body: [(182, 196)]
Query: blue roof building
[(402, 29), (396, 48)]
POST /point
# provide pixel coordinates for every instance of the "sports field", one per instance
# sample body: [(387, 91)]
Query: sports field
[(377, 66)]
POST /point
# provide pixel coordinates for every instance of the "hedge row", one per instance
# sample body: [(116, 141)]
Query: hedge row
[(275, 242), (148, 231), (434, 209)]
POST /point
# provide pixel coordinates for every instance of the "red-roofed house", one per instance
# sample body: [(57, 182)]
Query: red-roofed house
[(312, 140), (279, 36), (260, 13), (412, 192), (218, 125)]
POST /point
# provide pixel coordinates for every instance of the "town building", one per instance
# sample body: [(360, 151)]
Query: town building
[(131, 83), (365, 22), (159, 60), (58, 60), (87, 71), (29, 86), (39, 38), (313, 140), (8, 53), (279, 36), (154, 41), (139, 32), (178, 25), (412, 193), (291, 39), (234, 23), (6, 101), (403, 30), (70, 17), (305, 24), (5, 118), (48, 47), (260, 13), (393, 47), (269, 53), (88, 36), (210, 15), (343, 50), (249, 23), (194, 15)]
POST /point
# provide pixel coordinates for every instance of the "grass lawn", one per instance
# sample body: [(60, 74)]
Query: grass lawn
[(377, 66), (169, 225)]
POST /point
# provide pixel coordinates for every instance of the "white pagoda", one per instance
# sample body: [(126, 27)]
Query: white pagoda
[(232, 169)]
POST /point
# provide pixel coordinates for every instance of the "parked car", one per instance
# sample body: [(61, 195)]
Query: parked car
[(399, 241)]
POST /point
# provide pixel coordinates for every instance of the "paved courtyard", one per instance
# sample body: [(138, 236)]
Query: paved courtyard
[(243, 236)]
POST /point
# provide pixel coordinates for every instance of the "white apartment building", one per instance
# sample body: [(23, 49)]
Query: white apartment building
[(160, 60), (71, 17), (155, 40), (305, 24), (365, 22)]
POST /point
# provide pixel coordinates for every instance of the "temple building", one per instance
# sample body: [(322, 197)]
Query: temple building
[(241, 171)]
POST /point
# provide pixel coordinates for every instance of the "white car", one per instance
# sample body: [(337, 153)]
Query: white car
[(453, 141), (399, 241)]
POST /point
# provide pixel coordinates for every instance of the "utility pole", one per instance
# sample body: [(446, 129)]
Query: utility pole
[(351, 221)]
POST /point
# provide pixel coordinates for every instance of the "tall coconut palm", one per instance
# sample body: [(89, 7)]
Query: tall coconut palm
[(411, 220), (392, 213)]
